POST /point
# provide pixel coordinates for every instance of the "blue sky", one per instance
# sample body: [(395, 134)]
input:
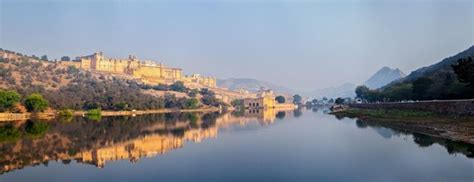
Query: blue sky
[(305, 45)]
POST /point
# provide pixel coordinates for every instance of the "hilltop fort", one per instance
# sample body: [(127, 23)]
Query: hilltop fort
[(144, 70)]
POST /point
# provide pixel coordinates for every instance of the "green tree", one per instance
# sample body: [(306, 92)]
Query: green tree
[(44, 58), (8, 99), (236, 103), (421, 86), (191, 103), (464, 70), (280, 99), (178, 86), (362, 91), (339, 100), (36, 103), (65, 58), (314, 101), (297, 99), (193, 93)]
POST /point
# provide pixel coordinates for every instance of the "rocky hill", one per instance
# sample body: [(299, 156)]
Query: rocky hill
[(383, 77), (72, 88)]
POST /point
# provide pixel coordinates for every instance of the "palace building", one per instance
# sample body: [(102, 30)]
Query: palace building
[(146, 71)]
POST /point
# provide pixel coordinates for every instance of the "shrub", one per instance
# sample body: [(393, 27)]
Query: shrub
[(8, 99), (191, 103), (35, 102), (94, 112)]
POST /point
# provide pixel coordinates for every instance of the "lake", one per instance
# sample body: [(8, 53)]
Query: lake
[(300, 145)]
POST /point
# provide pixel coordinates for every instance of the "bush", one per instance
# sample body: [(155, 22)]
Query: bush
[(65, 113), (8, 99), (36, 103), (94, 112), (191, 103), (178, 86)]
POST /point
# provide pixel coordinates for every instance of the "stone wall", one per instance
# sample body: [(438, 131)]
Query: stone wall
[(456, 107)]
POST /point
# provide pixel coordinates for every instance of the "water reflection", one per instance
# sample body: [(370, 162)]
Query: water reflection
[(421, 140), (85, 140)]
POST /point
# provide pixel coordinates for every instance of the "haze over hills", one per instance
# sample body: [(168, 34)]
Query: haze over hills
[(383, 77), (344, 90), (253, 85)]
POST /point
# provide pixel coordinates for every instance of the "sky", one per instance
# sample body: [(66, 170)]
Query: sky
[(304, 45)]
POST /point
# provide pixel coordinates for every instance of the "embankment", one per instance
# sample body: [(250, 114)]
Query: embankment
[(449, 107), (50, 115)]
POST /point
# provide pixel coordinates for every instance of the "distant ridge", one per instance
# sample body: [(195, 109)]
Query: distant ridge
[(344, 90), (383, 77), (252, 85)]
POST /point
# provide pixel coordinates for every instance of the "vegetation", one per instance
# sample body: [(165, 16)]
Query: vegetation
[(440, 85), (65, 113), (280, 99), (297, 99), (339, 100), (8, 99), (95, 112), (36, 103), (465, 71), (69, 87), (237, 103)]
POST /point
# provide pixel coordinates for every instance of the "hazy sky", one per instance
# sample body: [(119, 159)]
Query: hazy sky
[(301, 44)]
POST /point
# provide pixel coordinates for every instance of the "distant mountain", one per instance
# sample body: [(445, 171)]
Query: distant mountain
[(344, 90), (435, 70), (383, 77), (252, 85)]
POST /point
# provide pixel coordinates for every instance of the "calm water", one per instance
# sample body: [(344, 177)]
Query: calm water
[(306, 145)]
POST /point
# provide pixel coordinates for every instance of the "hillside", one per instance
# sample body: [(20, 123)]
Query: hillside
[(252, 85), (442, 67), (383, 77), (434, 82), (72, 88)]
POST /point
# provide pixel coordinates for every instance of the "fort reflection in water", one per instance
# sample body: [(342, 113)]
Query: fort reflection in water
[(120, 138)]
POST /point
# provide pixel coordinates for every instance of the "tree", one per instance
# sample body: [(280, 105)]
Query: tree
[(35, 103), (65, 58), (8, 99), (193, 93), (280, 99), (191, 103), (339, 100), (178, 86), (465, 71), (361, 91), (421, 86), (44, 58), (236, 103), (297, 99), (314, 101)]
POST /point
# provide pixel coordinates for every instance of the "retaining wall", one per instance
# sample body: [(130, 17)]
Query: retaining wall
[(456, 107)]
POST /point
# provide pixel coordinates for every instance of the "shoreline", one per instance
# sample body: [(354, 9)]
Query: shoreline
[(5, 117), (459, 129)]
